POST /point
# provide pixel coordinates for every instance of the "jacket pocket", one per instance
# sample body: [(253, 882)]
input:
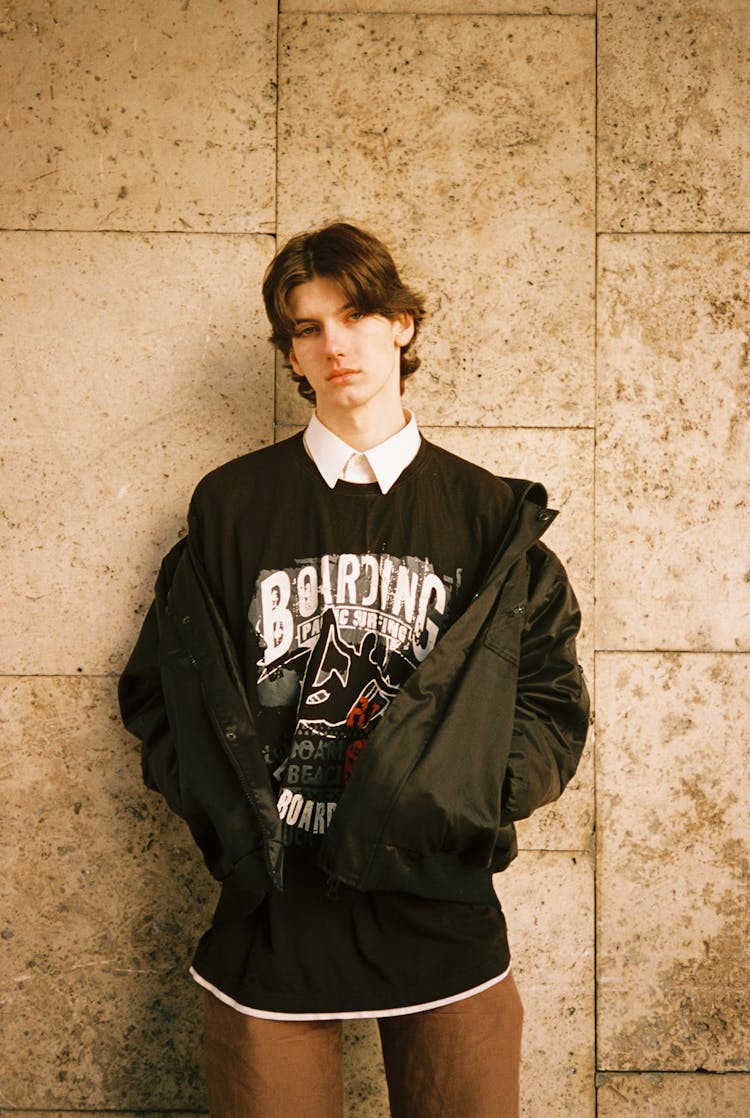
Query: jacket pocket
[(503, 633)]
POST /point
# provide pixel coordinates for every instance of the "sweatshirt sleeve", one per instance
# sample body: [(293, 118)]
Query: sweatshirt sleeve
[(552, 703)]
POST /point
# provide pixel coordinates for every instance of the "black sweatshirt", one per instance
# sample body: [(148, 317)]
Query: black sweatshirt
[(332, 598)]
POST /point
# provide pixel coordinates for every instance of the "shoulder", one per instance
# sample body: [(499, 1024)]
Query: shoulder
[(269, 466), (477, 478), (449, 470), (445, 461)]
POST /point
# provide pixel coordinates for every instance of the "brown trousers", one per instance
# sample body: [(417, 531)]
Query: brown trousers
[(460, 1059)]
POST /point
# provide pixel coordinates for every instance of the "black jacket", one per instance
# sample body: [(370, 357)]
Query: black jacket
[(490, 726)]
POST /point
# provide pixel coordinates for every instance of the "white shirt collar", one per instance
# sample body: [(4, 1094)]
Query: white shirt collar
[(383, 463)]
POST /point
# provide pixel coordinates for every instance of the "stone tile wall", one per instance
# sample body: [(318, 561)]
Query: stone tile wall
[(569, 181)]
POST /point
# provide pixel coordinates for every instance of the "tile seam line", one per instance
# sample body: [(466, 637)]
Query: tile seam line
[(147, 233), (276, 193), (672, 651), (469, 13), (704, 1073), (271, 233), (584, 852), (59, 675), (469, 426), (509, 426), (596, 831), (672, 232)]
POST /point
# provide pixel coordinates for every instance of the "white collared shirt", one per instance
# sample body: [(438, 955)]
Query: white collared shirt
[(384, 463)]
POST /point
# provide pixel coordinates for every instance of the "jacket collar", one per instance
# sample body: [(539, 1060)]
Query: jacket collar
[(531, 520)]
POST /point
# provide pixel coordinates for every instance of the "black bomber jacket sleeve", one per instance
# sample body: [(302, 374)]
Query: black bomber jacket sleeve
[(552, 702), (143, 706)]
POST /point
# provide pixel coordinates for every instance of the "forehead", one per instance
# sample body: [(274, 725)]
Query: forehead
[(317, 297)]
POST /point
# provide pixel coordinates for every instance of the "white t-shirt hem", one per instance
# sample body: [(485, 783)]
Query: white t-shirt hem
[(348, 1015)]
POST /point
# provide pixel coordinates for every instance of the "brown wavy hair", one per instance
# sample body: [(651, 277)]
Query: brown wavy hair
[(362, 267)]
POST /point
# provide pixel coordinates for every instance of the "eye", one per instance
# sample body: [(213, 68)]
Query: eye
[(357, 315), (304, 331)]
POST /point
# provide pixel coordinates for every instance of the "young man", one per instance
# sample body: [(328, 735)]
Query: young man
[(358, 671)]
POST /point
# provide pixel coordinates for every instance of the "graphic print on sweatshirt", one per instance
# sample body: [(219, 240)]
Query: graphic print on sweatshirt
[(339, 635)]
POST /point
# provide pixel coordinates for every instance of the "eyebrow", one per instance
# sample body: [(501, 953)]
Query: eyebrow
[(312, 318)]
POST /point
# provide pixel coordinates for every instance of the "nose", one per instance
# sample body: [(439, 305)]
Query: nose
[(334, 341)]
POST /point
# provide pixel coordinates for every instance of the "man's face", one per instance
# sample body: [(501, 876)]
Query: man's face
[(351, 359)]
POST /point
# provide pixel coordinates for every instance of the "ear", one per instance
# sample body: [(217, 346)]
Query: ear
[(293, 360), (403, 331)]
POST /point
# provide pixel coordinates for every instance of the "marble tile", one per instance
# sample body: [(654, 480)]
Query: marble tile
[(673, 441), (132, 365), (542, 893), (673, 976), (673, 1096), (466, 143), (103, 899), (119, 117), (450, 7), (674, 146), (563, 461), (365, 1087)]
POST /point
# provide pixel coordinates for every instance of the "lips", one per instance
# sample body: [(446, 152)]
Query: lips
[(341, 374)]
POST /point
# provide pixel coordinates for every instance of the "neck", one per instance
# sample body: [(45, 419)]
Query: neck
[(364, 431)]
